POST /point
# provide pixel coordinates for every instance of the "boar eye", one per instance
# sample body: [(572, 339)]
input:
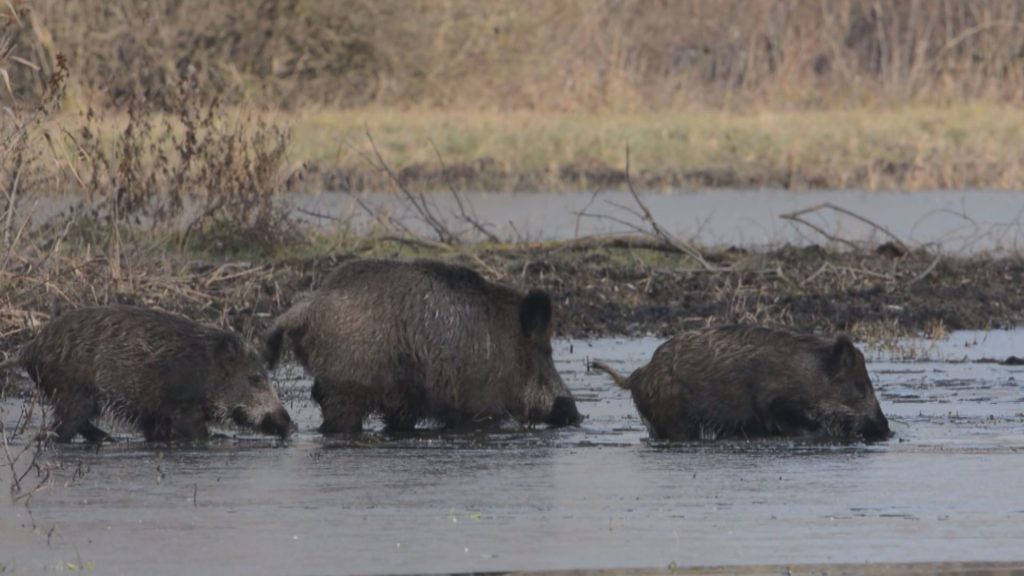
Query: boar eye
[(255, 380)]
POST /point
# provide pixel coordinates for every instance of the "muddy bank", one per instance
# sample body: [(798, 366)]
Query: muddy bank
[(487, 173), (602, 287)]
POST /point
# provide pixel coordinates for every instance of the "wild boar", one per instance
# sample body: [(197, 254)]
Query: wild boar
[(746, 381), (424, 340), (168, 375)]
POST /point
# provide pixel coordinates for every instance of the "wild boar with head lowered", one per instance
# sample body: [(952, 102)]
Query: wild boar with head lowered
[(747, 381), (167, 374), (424, 340)]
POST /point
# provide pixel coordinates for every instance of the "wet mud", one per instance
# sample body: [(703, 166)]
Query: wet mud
[(946, 488)]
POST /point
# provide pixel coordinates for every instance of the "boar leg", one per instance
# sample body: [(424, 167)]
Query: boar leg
[(156, 427), (401, 419), (94, 434), (189, 424), (317, 392), (790, 418), (402, 408), (343, 407), (72, 413)]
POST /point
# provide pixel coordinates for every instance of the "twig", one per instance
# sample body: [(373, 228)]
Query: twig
[(660, 232), (473, 220), (821, 269), (797, 217), (926, 271), (388, 219), (418, 201), (583, 212), (320, 215), (12, 199)]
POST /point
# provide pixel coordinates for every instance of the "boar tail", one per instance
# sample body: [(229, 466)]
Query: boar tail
[(293, 319), (618, 378)]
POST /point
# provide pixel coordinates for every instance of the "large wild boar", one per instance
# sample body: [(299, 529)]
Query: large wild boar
[(423, 340), (745, 381), (164, 373)]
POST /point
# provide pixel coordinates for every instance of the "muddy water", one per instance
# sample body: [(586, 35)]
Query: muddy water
[(949, 487)]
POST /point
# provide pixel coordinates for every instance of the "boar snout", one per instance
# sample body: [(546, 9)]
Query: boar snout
[(274, 423), (563, 412), (875, 428), (277, 423)]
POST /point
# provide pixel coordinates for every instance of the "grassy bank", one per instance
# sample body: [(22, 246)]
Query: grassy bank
[(602, 286), (914, 148), (908, 148)]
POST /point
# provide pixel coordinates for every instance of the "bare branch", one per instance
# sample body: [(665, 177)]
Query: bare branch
[(797, 217), (658, 230), (418, 201), (473, 220), (927, 271)]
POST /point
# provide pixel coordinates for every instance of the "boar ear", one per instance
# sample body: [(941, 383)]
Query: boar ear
[(535, 315), (843, 356)]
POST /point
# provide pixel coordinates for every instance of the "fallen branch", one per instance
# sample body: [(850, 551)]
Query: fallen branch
[(418, 201), (797, 217), (660, 232), (926, 272), (473, 220)]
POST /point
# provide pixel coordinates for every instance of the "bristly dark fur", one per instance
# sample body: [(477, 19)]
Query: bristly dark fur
[(164, 372), (748, 381), (424, 340)]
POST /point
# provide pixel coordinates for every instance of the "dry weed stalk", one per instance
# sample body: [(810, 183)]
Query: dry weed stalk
[(419, 202), (566, 55), (797, 216), (649, 227)]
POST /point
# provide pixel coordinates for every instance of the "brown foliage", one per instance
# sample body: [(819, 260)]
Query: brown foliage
[(515, 54)]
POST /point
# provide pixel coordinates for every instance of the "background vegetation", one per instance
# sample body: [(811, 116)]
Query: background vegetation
[(567, 55), (541, 95), (178, 124)]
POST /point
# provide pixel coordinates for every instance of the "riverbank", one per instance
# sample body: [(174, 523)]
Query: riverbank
[(601, 286), (896, 148), (906, 148)]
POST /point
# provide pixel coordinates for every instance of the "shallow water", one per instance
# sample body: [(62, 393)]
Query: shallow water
[(955, 220), (948, 487), (962, 221)]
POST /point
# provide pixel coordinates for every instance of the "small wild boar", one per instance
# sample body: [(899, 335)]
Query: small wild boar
[(164, 373), (745, 381), (423, 340)]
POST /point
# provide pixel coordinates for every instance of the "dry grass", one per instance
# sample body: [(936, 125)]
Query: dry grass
[(913, 148), (541, 95), (566, 55)]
